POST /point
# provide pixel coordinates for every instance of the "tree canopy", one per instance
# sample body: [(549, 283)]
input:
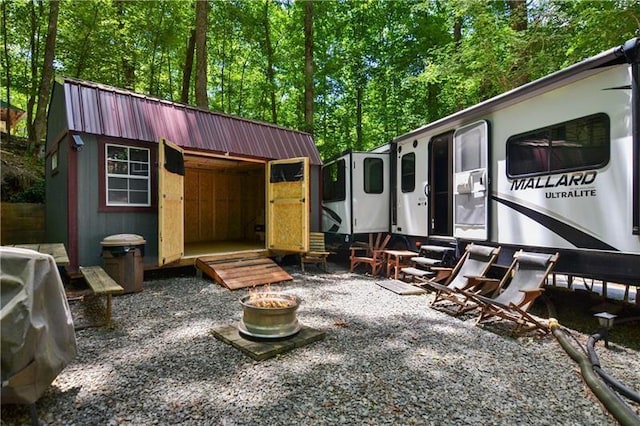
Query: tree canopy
[(378, 68)]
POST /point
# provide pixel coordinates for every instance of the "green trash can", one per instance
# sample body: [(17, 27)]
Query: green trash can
[(123, 260)]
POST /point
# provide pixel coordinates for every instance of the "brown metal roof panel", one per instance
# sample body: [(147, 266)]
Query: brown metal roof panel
[(213, 133), (90, 111), (73, 109), (109, 114), (126, 118)]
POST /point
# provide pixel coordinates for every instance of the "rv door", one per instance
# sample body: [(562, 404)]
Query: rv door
[(470, 184), (170, 199), (288, 205)]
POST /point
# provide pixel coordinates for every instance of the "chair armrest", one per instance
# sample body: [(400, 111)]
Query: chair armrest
[(481, 285), (442, 273), (529, 296)]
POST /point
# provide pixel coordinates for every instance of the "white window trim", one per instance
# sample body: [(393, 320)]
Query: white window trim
[(127, 176)]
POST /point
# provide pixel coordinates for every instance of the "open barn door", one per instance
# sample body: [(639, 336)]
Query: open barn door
[(288, 205), (170, 202), (471, 181)]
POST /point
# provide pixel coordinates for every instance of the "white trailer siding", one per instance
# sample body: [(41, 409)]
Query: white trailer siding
[(597, 209)]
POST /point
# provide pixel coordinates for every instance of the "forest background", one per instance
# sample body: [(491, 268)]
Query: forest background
[(355, 74)]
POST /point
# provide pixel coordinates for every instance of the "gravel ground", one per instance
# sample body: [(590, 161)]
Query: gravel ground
[(386, 359)]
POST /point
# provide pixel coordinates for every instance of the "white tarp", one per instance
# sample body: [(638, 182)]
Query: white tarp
[(38, 338)]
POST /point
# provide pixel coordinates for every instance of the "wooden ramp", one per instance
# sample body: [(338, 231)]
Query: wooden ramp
[(242, 272)]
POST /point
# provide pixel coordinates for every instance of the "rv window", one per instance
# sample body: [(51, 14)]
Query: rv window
[(373, 176), (333, 182), (408, 170), (127, 176), (574, 145)]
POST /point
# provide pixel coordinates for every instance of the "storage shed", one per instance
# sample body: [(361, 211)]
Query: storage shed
[(121, 162)]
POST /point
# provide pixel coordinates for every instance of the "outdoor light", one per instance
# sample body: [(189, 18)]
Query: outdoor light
[(605, 319), (77, 143)]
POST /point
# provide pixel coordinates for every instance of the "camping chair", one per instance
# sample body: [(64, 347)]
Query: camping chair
[(317, 253), (527, 274), (374, 256), (474, 263)]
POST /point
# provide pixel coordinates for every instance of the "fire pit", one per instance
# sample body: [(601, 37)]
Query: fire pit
[(269, 315)]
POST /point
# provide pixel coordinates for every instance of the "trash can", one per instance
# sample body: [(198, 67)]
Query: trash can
[(122, 259)]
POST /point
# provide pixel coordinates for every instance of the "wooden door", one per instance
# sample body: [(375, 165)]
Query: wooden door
[(170, 202)]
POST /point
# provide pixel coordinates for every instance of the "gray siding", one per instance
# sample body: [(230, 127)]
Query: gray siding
[(56, 197), (93, 225)]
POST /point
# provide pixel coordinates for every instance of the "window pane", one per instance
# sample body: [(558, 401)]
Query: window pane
[(333, 182), (373, 176), (117, 152), (139, 169), (117, 183), (138, 197), (470, 146), (529, 154), (118, 197), (117, 167), (136, 154), (408, 171), (574, 145), (138, 184)]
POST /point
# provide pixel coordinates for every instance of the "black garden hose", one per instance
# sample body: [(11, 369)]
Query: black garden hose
[(622, 412), (611, 381)]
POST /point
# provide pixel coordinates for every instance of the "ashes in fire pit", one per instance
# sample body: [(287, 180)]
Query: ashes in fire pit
[(269, 315)]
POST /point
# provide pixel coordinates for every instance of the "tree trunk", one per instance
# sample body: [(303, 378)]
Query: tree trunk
[(7, 67), (33, 58), (271, 84), (457, 30), (202, 13), (40, 120), (128, 67), (308, 66), (359, 138), (518, 10), (188, 68)]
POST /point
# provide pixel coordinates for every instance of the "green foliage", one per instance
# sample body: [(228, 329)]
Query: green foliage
[(382, 67)]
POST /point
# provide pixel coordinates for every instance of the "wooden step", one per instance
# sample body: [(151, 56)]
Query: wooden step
[(241, 273), (417, 272), (426, 261)]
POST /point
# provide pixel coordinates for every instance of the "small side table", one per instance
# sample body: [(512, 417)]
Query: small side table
[(396, 259)]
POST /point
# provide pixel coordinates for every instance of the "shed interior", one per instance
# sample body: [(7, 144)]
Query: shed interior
[(224, 208)]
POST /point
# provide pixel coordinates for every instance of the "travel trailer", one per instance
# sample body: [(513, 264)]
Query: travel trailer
[(356, 193), (550, 166)]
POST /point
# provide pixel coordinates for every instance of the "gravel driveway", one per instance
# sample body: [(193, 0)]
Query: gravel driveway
[(386, 359)]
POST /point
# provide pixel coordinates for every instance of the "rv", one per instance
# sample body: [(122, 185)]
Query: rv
[(550, 166)]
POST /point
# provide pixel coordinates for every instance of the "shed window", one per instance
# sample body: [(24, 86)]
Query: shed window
[(54, 162), (573, 145), (128, 176)]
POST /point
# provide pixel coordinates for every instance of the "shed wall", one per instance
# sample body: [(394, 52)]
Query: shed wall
[(57, 195), (94, 225)]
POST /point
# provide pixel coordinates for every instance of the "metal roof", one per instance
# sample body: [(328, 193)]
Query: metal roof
[(109, 111)]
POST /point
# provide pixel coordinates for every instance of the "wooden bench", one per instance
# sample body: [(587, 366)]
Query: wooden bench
[(317, 252), (102, 285)]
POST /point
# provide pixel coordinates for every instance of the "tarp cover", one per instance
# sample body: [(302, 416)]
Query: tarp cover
[(38, 338)]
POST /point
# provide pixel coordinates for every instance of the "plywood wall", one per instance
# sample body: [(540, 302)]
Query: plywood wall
[(223, 204)]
